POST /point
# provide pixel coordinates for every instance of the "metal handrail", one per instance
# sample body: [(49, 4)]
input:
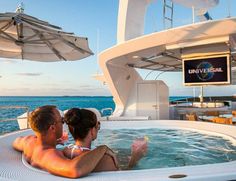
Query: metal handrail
[(183, 101), (14, 107), (6, 120)]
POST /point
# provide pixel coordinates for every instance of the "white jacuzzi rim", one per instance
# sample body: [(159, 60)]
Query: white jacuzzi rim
[(219, 171)]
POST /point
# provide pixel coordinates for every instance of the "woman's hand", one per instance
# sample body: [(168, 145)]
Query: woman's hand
[(138, 150), (139, 147)]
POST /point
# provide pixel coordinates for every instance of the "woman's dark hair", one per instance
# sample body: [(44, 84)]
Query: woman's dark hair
[(80, 121)]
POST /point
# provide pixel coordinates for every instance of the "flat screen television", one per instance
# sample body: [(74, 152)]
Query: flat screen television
[(214, 70)]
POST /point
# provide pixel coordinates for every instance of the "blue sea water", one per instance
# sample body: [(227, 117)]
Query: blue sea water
[(62, 102)]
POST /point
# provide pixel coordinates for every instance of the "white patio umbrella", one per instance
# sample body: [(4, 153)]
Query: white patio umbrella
[(26, 37)]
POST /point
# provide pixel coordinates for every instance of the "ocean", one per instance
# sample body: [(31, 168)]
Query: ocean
[(62, 102)]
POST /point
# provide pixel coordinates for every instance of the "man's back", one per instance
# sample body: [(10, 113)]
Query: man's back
[(45, 156), (35, 152), (48, 158)]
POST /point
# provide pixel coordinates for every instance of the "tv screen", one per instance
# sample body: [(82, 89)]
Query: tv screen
[(206, 71)]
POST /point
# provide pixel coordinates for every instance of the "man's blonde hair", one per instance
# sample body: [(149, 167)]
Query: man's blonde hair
[(41, 118)]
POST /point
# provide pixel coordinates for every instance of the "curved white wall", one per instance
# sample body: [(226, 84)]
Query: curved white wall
[(131, 19)]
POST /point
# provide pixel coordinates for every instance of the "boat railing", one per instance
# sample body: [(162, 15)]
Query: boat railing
[(210, 103), (183, 102), (4, 118)]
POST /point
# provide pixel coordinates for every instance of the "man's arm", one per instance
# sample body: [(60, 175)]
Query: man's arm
[(107, 163), (55, 163), (21, 141)]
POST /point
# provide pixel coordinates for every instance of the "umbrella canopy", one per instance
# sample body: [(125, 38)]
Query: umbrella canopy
[(26, 37)]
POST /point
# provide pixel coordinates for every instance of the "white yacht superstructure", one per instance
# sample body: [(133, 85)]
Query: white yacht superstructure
[(161, 51)]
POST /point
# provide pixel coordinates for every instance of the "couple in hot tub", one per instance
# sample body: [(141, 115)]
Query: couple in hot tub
[(75, 160)]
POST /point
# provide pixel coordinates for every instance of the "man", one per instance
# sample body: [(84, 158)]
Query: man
[(40, 149)]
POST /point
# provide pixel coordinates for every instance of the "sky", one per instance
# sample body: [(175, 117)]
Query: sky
[(97, 20)]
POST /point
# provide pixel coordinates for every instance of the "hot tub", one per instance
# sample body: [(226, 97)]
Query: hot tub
[(13, 168)]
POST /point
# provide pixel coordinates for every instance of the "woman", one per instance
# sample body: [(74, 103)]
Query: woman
[(84, 126)]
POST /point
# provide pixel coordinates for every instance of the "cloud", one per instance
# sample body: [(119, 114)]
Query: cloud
[(29, 74), (8, 61), (86, 86), (82, 91), (56, 90)]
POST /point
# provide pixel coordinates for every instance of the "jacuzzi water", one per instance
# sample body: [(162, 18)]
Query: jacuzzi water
[(169, 147)]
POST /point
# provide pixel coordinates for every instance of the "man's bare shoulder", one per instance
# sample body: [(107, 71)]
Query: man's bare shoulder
[(54, 153), (20, 142), (29, 145)]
